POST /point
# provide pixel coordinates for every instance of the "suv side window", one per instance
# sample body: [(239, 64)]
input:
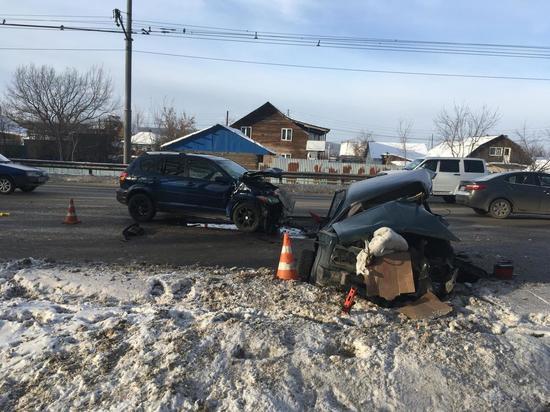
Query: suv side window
[(174, 166), (150, 164), (430, 164), (473, 166), (544, 180), (523, 179), (451, 166), (203, 169)]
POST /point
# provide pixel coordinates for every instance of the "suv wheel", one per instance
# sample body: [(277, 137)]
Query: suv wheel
[(449, 199), (6, 185), (141, 207), (500, 208), (246, 217)]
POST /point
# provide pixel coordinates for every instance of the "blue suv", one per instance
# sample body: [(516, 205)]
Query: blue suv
[(204, 186), (13, 175)]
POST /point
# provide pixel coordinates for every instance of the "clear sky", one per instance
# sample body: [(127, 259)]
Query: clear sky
[(346, 102)]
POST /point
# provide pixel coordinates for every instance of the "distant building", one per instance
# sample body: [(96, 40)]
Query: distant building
[(493, 149), (283, 135), (222, 141), (10, 132), (382, 152), (145, 141)]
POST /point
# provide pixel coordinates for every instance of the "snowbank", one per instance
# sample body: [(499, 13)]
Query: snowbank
[(127, 337)]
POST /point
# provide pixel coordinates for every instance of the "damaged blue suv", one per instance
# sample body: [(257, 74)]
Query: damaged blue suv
[(202, 186)]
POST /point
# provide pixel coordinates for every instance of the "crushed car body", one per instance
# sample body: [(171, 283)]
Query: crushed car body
[(391, 209)]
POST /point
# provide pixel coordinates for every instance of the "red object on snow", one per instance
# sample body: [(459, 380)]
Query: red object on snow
[(504, 270), (350, 300)]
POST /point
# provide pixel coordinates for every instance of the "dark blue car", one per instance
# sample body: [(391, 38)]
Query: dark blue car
[(201, 185), (14, 175)]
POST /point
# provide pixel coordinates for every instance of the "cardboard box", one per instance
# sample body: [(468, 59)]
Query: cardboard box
[(427, 307), (390, 276)]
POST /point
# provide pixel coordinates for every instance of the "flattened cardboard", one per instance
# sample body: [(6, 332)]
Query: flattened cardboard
[(427, 307), (390, 275)]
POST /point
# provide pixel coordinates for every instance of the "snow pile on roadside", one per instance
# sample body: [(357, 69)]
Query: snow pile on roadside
[(125, 337)]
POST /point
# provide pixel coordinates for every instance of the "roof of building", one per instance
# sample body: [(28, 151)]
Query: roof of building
[(379, 149), (9, 126), (270, 108), (460, 149), (218, 138), (145, 138)]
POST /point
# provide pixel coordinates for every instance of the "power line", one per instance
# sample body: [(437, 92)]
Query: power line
[(346, 69), (328, 41), (290, 65)]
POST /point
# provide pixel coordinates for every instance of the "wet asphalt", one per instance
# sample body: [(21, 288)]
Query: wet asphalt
[(34, 228)]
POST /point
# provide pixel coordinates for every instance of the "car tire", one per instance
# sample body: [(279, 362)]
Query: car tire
[(480, 212), (141, 208), (27, 188), (500, 208), (449, 199), (247, 217), (305, 263), (6, 185)]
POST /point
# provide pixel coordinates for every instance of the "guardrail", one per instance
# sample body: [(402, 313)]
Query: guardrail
[(114, 169)]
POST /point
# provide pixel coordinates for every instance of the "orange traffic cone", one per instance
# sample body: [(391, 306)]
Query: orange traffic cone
[(71, 218), (287, 267)]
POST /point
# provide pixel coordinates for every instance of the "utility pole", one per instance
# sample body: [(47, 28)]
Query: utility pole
[(128, 86), (227, 118), (117, 14)]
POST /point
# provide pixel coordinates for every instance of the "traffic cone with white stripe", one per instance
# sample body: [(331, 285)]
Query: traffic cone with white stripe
[(71, 218), (287, 266)]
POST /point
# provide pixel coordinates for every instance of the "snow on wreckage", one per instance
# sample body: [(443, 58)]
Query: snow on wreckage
[(381, 238)]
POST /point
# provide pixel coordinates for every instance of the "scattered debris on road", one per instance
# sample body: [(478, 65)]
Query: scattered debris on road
[(136, 336), (132, 231)]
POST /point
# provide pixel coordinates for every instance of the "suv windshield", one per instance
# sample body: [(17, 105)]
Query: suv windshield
[(234, 170), (4, 159), (413, 164)]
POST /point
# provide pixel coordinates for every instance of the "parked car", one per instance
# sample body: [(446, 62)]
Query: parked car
[(501, 194), (14, 175), (205, 186), (449, 171), (397, 201)]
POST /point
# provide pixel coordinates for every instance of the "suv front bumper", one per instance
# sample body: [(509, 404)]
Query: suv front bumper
[(122, 196)]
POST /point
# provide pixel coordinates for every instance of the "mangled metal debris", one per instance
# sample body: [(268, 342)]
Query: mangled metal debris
[(381, 237)]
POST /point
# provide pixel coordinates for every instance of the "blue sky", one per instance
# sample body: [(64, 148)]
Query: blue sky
[(347, 102)]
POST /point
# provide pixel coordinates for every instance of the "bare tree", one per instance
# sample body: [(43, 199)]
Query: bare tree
[(403, 131), (361, 144), (462, 128), (172, 124), (531, 144), (62, 103), (137, 120)]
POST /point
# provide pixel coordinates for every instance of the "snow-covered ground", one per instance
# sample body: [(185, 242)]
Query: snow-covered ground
[(127, 337)]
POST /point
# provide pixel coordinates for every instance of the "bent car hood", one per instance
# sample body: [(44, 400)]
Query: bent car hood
[(401, 216), (269, 172), (399, 184)]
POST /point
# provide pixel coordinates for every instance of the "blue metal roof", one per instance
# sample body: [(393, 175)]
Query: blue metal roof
[(217, 138)]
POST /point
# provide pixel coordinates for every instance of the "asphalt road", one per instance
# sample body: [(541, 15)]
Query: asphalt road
[(34, 228)]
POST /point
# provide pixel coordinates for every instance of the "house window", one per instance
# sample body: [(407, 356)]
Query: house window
[(286, 134), (495, 151), (286, 155), (507, 151), (247, 130)]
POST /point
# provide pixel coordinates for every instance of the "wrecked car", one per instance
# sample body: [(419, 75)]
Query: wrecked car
[(206, 186), (389, 212)]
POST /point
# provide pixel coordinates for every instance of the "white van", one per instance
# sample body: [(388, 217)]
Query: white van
[(449, 171)]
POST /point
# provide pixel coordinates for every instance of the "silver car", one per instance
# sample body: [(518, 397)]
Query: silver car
[(501, 194)]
